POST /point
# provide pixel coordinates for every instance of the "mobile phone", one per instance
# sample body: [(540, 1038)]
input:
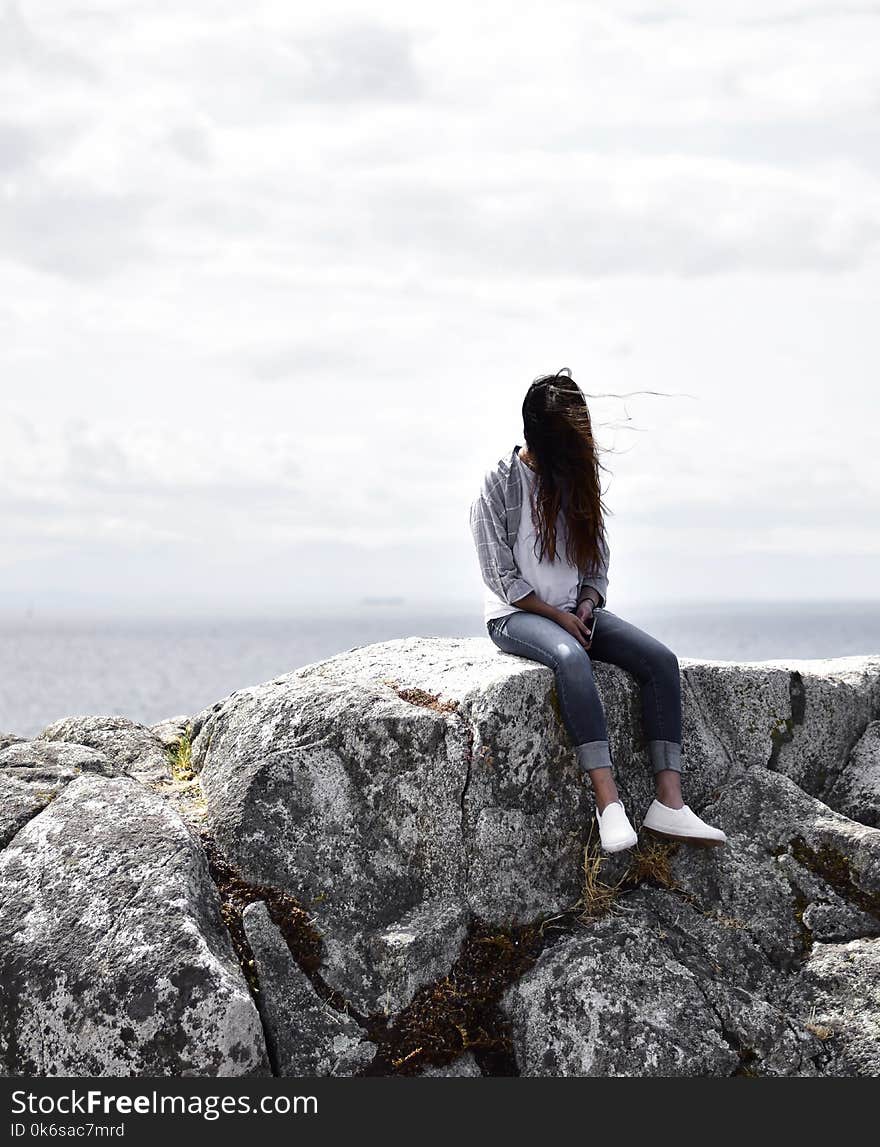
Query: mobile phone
[(595, 619)]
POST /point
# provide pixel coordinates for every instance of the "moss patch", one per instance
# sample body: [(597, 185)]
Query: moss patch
[(180, 758), (800, 906), (651, 863), (782, 732), (835, 868), (460, 1012), (421, 697), (287, 914)]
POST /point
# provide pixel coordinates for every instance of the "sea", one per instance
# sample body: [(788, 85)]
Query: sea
[(152, 668)]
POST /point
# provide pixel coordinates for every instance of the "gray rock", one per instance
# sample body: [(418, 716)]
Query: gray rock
[(613, 1002), (744, 990), (855, 790), (790, 859), (742, 932), (61, 754), (201, 730), (465, 1067), (113, 957), (170, 731), (133, 747), (21, 798), (838, 996), (797, 717), (306, 1036), (831, 702), (430, 935), (32, 773), (393, 815), (398, 789), (9, 739), (654, 989)]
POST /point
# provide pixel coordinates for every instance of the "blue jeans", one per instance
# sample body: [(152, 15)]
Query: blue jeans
[(618, 642)]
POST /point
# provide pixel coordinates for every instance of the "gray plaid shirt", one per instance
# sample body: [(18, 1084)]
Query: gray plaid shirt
[(495, 516)]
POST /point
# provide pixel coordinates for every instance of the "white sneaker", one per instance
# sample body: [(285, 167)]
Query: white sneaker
[(682, 824), (615, 831)]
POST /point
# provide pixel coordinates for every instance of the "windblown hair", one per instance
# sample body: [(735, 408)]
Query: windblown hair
[(559, 434)]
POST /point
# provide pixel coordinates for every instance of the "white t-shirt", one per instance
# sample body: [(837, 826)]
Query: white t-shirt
[(554, 582)]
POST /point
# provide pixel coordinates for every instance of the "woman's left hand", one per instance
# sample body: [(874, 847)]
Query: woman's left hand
[(585, 612)]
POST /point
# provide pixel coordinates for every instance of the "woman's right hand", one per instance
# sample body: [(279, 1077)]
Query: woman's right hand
[(573, 624)]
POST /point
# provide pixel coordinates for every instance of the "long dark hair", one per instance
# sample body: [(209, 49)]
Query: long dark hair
[(559, 434)]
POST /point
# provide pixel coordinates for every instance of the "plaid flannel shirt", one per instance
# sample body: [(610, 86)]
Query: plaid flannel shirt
[(495, 515)]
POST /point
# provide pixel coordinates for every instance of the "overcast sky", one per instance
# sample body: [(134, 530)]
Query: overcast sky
[(274, 280)]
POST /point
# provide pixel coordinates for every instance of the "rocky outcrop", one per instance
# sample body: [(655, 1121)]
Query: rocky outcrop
[(133, 747), (418, 804), (397, 809), (402, 788), (113, 957)]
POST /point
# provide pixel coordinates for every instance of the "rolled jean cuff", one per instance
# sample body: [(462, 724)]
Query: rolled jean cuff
[(665, 755), (594, 755)]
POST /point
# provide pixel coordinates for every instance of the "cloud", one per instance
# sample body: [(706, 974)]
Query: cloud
[(595, 215), (79, 233), (248, 71), (192, 142), (21, 49), (796, 14), (358, 62), (16, 148), (299, 362), (274, 278)]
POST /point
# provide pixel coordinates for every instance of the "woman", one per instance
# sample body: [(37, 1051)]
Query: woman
[(546, 576)]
